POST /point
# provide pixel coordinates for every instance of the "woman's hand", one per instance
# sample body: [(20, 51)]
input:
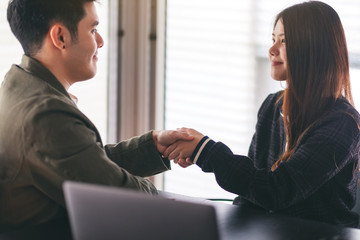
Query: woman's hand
[(181, 151), (164, 138)]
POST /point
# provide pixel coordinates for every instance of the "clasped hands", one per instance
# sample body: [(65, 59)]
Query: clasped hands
[(177, 145)]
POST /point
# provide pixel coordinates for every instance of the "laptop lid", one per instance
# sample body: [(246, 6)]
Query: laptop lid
[(101, 212)]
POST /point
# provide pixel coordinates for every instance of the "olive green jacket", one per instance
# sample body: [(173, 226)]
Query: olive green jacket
[(45, 139)]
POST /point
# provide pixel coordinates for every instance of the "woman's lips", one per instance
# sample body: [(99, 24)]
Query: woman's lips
[(276, 63)]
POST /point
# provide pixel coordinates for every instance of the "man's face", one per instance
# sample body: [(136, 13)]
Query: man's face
[(82, 54)]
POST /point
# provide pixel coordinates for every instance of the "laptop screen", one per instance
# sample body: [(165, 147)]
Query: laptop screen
[(101, 212)]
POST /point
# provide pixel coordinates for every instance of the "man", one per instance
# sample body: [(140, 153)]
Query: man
[(44, 138)]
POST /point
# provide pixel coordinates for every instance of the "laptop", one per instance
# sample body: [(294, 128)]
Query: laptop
[(102, 212)]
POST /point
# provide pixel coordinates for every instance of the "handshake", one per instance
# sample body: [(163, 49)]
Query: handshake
[(177, 145)]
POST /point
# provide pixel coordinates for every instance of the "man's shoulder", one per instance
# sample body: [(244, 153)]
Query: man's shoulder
[(21, 87), (20, 84), (25, 97)]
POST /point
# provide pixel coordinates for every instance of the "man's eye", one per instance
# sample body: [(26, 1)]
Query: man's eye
[(283, 41)]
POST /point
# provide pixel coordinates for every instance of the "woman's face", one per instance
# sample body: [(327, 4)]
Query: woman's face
[(277, 53)]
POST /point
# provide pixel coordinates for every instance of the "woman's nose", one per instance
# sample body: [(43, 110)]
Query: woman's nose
[(273, 51)]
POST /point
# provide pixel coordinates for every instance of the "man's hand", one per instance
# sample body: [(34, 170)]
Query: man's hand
[(164, 138), (181, 151)]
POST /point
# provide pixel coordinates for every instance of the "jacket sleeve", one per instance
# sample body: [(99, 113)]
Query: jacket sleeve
[(326, 150), (138, 156), (59, 144)]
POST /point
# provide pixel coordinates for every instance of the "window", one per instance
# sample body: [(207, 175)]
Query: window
[(10, 48), (209, 74), (217, 73)]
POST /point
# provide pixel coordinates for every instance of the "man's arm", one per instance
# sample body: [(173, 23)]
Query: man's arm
[(60, 144), (142, 155)]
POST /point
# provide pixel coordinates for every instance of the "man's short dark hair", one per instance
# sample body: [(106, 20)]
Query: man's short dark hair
[(30, 20)]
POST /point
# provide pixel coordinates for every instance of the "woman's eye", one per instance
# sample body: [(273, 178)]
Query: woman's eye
[(283, 41)]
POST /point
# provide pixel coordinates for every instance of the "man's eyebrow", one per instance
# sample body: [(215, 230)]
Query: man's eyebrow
[(95, 23)]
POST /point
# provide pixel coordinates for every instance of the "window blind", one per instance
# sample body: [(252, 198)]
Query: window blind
[(209, 81)]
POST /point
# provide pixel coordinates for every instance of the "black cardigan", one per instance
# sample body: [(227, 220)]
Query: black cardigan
[(318, 182)]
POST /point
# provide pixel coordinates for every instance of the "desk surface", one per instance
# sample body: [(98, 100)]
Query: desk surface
[(234, 223), (237, 223)]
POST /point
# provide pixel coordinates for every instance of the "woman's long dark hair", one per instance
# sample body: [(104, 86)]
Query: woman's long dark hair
[(318, 68)]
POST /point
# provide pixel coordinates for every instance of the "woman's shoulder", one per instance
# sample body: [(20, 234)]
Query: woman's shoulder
[(343, 108), (272, 102), (342, 119), (274, 97)]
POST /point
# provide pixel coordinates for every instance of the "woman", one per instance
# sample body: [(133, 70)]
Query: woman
[(304, 154)]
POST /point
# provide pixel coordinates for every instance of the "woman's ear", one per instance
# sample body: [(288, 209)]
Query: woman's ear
[(59, 36)]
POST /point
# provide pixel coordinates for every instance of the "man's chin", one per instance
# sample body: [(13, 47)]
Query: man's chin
[(92, 72), (88, 77)]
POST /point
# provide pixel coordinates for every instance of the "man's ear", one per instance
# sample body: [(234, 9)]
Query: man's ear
[(59, 36)]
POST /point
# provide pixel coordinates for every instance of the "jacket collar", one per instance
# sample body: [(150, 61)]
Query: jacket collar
[(34, 67)]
